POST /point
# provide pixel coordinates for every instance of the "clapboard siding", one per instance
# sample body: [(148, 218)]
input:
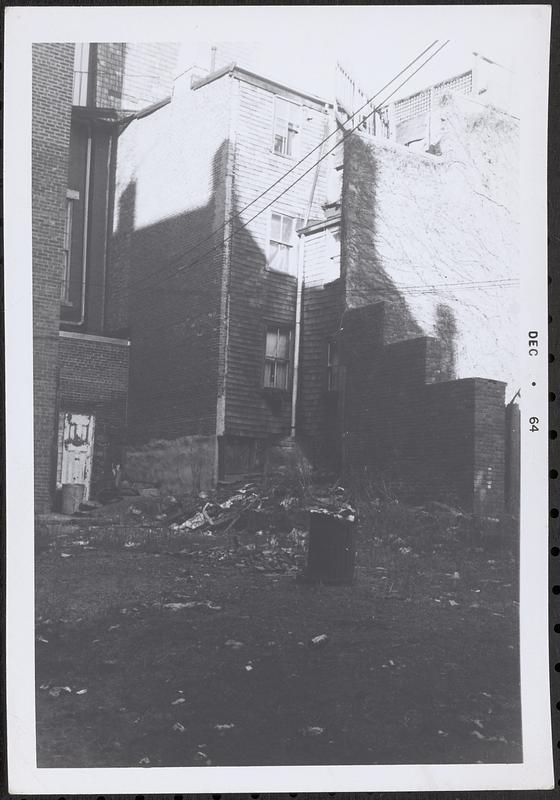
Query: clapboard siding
[(257, 295), (170, 196)]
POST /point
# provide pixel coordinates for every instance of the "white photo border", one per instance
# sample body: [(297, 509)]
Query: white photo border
[(25, 25)]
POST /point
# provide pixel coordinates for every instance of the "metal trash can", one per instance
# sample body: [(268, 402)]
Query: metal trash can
[(331, 555), (72, 496)]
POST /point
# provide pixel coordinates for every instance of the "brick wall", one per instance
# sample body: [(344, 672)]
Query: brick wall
[(134, 75), (52, 94), (439, 440), (94, 380)]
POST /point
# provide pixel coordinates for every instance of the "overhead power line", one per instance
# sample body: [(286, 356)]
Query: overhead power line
[(235, 231), (310, 152), (377, 293)]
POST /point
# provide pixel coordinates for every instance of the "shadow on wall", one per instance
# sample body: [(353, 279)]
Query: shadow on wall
[(167, 294), (366, 280)]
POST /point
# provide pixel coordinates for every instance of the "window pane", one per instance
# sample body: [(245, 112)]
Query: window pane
[(281, 374), (271, 342), (283, 344), (280, 144), (279, 257), (287, 228), (276, 227), (269, 374)]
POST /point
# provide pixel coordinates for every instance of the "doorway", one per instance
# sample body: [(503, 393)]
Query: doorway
[(75, 449)]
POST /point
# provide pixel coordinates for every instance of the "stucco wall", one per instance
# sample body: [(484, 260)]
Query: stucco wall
[(437, 237)]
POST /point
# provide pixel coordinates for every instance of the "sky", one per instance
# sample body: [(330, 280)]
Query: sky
[(299, 45)]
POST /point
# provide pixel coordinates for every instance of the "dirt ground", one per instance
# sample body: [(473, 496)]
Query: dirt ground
[(156, 648)]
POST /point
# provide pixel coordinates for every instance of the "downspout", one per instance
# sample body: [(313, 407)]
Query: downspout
[(85, 236), (299, 284), (227, 246), (108, 233)]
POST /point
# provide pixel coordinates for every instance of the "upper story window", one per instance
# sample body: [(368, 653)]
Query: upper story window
[(81, 74), (286, 126), (277, 357), (282, 250)]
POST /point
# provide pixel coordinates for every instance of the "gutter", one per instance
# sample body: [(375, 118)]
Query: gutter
[(248, 75)]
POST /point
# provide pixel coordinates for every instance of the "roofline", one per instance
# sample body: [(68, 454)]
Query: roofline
[(251, 77)]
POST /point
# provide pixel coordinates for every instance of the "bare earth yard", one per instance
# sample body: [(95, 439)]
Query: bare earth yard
[(195, 649)]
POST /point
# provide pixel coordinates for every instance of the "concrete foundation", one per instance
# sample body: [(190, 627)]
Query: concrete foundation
[(181, 466)]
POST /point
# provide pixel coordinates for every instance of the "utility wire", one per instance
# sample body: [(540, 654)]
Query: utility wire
[(287, 189), (403, 291), (314, 150), (296, 165)]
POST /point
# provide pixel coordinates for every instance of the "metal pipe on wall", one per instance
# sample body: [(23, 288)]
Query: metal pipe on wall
[(299, 290), (85, 236)]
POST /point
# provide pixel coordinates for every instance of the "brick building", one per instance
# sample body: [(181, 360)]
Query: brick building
[(209, 322), (82, 97)]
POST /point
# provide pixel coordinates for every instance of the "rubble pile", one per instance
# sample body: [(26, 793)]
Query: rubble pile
[(280, 508)]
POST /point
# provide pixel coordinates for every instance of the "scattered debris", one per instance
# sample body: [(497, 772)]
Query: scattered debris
[(56, 691), (313, 730), (196, 521)]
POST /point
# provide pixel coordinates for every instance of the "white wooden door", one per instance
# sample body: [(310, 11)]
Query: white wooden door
[(77, 449)]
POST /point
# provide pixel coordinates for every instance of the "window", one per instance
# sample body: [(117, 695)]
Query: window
[(332, 246), (332, 366), (277, 358), (81, 70), (282, 250), (71, 197), (286, 126)]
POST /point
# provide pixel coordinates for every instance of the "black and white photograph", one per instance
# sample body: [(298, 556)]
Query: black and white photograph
[(286, 373)]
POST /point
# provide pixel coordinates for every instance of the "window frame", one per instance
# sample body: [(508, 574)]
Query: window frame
[(333, 366), (292, 256), (295, 121), (72, 197), (81, 86), (286, 328), (332, 233)]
